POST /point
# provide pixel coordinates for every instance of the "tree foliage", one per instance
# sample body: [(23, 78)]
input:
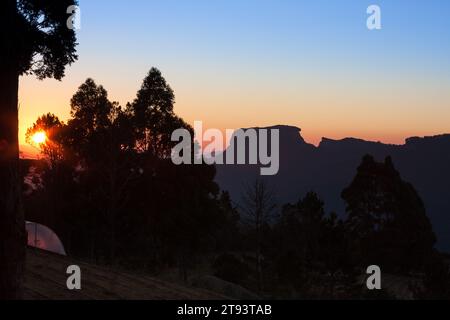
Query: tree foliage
[(43, 45), (131, 205), (387, 218)]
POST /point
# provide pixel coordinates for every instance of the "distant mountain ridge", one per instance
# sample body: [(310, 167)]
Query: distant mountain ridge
[(331, 166)]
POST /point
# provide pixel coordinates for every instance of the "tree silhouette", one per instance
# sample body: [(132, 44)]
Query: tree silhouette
[(153, 115), (53, 128), (258, 211), (307, 241), (34, 39), (91, 115), (305, 222), (117, 203), (101, 135), (387, 218)]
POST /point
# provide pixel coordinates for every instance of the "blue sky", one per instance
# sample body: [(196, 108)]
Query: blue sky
[(242, 63)]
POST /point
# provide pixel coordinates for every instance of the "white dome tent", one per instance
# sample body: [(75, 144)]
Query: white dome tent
[(42, 237)]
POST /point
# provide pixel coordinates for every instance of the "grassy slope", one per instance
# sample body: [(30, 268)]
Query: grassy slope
[(46, 279)]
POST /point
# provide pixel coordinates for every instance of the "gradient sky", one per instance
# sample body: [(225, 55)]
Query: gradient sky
[(244, 63)]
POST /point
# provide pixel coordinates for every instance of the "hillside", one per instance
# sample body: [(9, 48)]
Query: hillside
[(45, 279)]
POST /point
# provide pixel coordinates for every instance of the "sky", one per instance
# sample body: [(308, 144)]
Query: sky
[(244, 63)]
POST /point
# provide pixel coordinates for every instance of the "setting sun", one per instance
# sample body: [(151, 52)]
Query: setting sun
[(39, 137)]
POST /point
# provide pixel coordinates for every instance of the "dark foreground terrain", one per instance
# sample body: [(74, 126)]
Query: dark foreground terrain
[(46, 277), (46, 280)]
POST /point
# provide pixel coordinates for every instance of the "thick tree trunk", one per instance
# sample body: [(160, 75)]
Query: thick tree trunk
[(12, 225)]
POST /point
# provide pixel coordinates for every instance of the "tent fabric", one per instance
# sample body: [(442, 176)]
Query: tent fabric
[(42, 237)]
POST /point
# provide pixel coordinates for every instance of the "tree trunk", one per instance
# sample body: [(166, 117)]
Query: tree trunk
[(12, 224)]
